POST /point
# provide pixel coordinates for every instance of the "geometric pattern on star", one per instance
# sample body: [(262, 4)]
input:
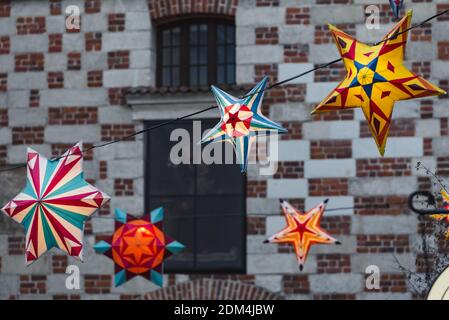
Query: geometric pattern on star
[(54, 204), (376, 78), (138, 247), (303, 230), (241, 121)]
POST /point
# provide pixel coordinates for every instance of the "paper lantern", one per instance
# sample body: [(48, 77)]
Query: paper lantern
[(55, 203), (138, 246), (376, 79), (241, 121)]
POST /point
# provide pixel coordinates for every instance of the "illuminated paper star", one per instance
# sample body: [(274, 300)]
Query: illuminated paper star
[(303, 230), (396, 6), (241, 121), (138, 246), (55, 204), (376, 79)]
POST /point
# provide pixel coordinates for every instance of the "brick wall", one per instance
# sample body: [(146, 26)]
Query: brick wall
[(59, 86)]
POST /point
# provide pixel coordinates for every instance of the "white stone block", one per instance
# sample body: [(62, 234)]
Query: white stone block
[(294, 34), (386, 262), (396, 147), (421, 51), (97, 22), (27, 117), (366, 225), (440, 147), (68, 98), (137, 285), (72, 134), (141, 59), (17, 153), (287, 188), (8, 26), (137, 21), (5, 136), (277, 263), (126, 78), (274, 224), (17, 99), (56, 284), (256, 245), (331, 130), (75, 79), (27, 80), (334, 202), (323, 53), (383, 186), (9, 285), (245, 36), (16, 265), (259, 16), (94, 60), (331, 168), (28, 8), (73, 42), (119, 6), (128, 150), (262, 206), (272, 283), (125, 169), (126, 40), (337, 14), (245, 73), (294, 150), (260, 54), (318, 91), (428, 128), (55, 24), (406, 109), (288, 70), (102, 225), (348, 246), (336, 283), (6, 63), (114, 114), (55, 62), (133, 205), (290, 112), (440, 69)]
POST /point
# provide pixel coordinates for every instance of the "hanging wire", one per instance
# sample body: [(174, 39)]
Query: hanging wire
[(245, 96)]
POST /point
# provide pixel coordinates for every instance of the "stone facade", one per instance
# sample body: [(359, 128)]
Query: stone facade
[(58, 86)]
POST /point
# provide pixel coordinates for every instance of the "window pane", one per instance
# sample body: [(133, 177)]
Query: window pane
[(203, 55), (203, 76), (193, 76), (166, 57), (166, 76), (193, 55), (179, 225), (221, 34), (166, 38), (193, 34), (175, 56), (230, 54), (221, 54), (221, 74), (203, 34), (230, 34), (176, 37), (175, 76), (162, 171), (231, 74), (219, 237)]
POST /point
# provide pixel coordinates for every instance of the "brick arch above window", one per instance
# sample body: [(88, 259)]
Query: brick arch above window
[(212, 289), (166, 9)]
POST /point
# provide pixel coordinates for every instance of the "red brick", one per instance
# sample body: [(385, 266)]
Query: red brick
[(33, 284), (97, 284), (443, 50), (256, 189), (294, 130), (164, 9), (34, 99), (16, 245), (295, 284), (256, 225), (423, 33), (116, 22), (95, 79), (27, 135), (330, 149), (74, 61), (29, 62), (328, 187), (72, 115), (267, 35), (5, 45), (384, 167), (93, 41), (55, 80), (111, 132), (267, 3), (55, 42), (117, 96), (297, 16), (334, 115), (382, 243), (334, 296), (123, 187), (92, 6), (118, 59), (59, 263), (5, 8), (3, 82), (290, 170), (58, 149), (4, 118), (381, 205), (333, 263), (55, 7), (390, 282), (30, 25), (324, 36), (399, 128), (296, 53)]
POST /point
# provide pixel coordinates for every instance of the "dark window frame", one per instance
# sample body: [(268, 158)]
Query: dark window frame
[(242, 269), (184, 23)]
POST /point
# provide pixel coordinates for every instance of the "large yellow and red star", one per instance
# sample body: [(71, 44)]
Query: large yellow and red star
[(303, 230), (376, 78)]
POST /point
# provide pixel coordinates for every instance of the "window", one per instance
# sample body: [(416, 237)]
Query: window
[(197, 52), (204, 205)]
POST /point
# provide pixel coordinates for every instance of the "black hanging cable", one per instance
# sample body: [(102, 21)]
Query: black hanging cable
[(245, 96)]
